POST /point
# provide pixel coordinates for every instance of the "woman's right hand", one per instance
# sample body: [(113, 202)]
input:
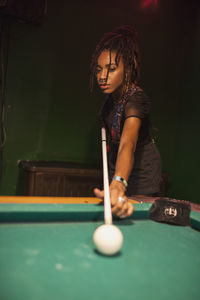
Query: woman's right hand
[(120, 209)]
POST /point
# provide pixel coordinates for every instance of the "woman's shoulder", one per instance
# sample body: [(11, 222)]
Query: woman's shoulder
[(138, 94), (138, 99)]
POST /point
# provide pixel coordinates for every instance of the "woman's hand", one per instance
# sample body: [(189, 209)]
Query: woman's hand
[(99, 193), (120, 209)]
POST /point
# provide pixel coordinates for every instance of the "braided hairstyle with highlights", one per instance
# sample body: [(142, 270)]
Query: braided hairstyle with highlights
[(121, 40)]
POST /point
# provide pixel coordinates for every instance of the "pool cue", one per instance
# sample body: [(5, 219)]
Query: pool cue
[(107, 205)]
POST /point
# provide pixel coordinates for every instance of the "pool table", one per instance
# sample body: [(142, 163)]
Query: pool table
[(47, 252)]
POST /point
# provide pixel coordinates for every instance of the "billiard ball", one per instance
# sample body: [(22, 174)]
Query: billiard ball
[(108, 239)]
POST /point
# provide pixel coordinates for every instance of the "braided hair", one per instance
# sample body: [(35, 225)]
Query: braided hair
[(123, 41)]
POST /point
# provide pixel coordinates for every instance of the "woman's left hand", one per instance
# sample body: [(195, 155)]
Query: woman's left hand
[(121, 207)]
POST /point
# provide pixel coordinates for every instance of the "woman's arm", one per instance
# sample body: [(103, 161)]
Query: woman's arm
[(124, 165), (127, 147)]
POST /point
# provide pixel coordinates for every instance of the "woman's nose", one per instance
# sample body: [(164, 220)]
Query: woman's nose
[(103, 75)]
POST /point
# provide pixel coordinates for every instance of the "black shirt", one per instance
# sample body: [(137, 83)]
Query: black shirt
[(145, 176)]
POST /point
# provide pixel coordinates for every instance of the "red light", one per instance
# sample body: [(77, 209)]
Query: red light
[(148, 3)]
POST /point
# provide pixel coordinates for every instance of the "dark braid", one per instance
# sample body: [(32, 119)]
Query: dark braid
[(123, 41)]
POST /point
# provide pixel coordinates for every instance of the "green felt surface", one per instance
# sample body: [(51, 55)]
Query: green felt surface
[(57, 260)]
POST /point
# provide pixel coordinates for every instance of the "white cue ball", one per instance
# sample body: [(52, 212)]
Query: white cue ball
[(108, 239)]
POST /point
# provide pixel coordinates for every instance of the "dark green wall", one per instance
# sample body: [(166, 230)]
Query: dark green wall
[(50, 114)]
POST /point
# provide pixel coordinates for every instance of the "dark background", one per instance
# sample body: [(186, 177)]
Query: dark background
[(49, 111)]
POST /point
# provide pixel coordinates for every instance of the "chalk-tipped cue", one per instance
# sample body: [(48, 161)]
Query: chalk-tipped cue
[(107, 205)]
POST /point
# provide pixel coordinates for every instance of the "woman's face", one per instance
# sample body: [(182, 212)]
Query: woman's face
[(109, 82)]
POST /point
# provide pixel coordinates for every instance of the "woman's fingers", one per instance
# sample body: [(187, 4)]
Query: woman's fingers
[(122, 209), (99, 193), (130, 209), (128, 212)]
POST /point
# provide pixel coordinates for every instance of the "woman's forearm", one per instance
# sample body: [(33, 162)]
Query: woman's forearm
[(125, 161)]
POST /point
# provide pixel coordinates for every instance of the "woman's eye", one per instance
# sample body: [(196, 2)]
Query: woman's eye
[(98, 70), (112, 69)]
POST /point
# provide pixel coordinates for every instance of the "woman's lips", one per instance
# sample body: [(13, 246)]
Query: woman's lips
[(104, 86)]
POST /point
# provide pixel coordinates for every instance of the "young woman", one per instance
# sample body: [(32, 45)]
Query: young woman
[(134, 161)]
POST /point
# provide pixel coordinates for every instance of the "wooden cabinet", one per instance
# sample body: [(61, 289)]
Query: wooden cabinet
[(60, 179)]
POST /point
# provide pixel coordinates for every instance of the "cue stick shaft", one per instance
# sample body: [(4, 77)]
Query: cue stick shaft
[(107, 205)]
